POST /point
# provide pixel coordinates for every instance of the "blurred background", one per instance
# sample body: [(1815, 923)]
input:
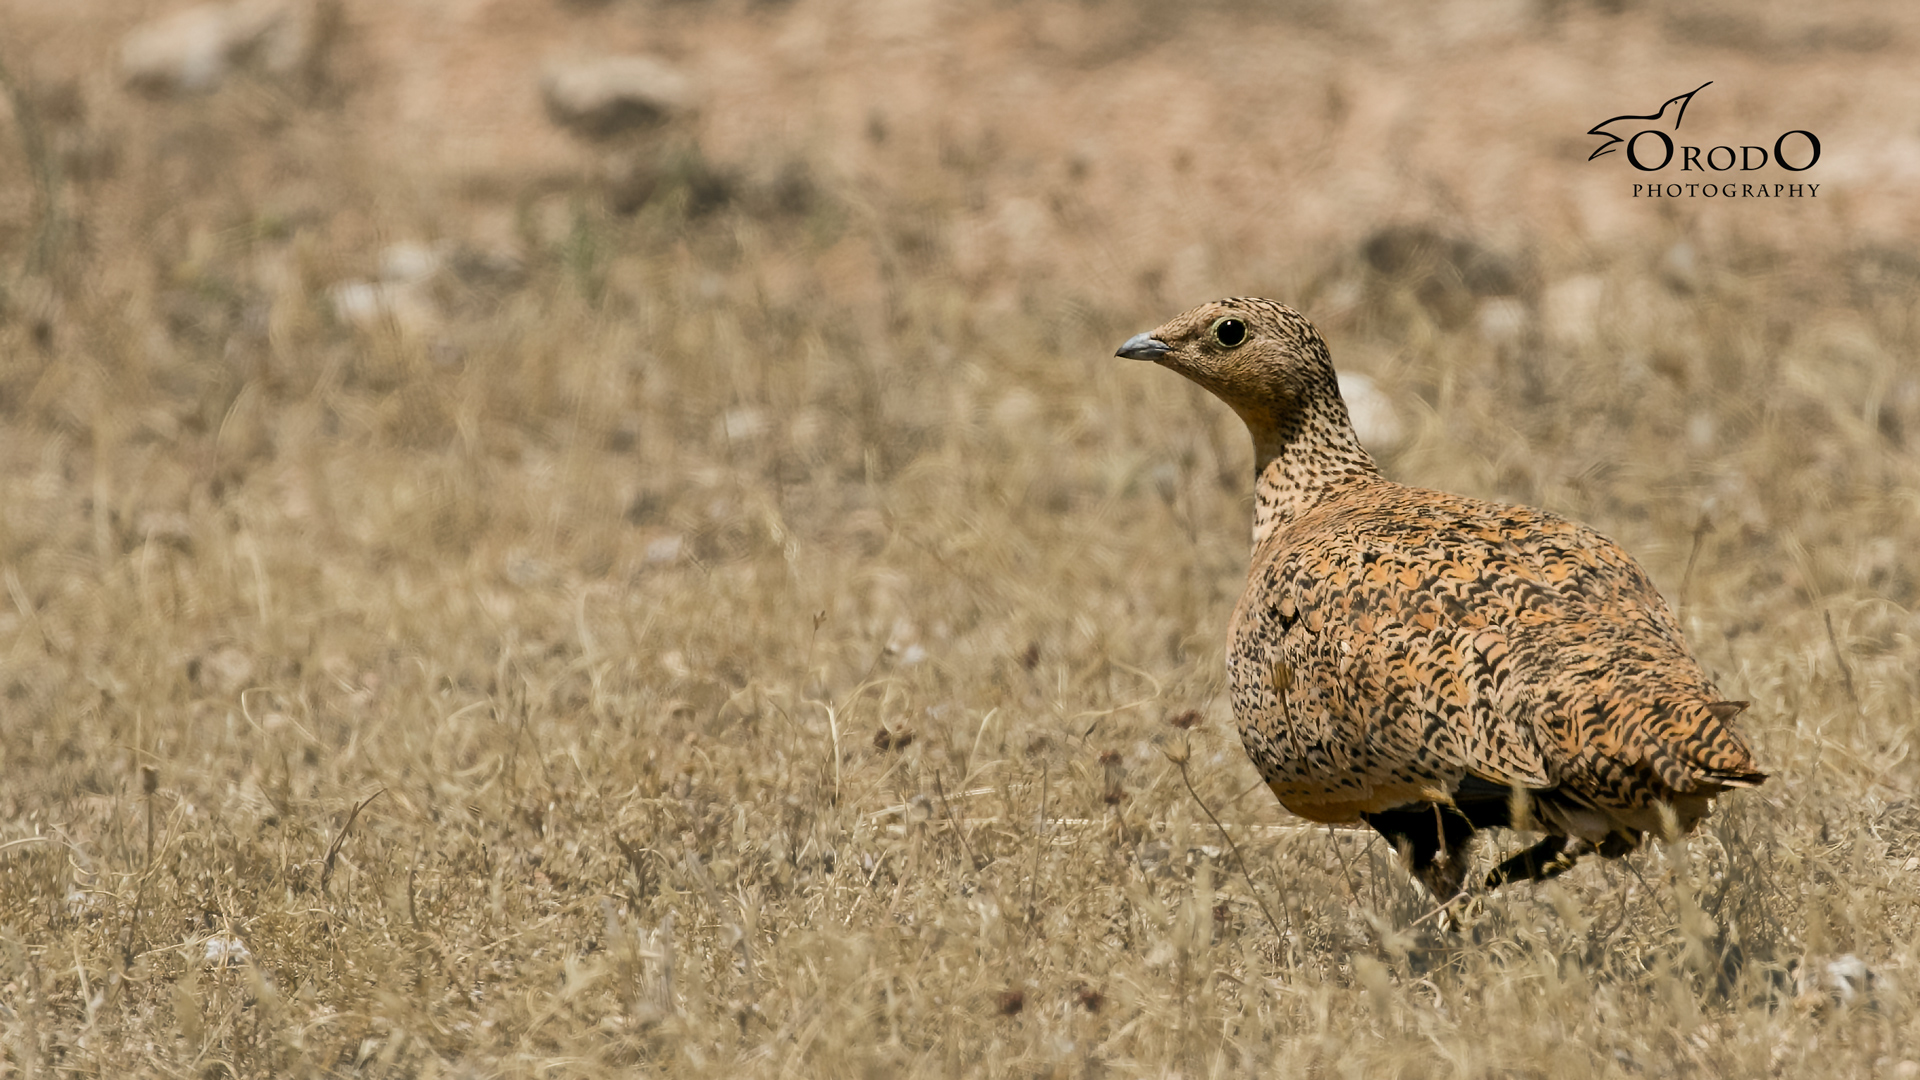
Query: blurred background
[(695, 421), (823, 233), (244, 174)]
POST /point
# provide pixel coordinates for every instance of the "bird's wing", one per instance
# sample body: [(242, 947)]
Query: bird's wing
[(1412, 643)]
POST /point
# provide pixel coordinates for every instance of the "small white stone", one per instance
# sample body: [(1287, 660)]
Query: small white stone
[(744, 423), (185, 52), (664, 549), (193, 50), (1016, 411), (226, 950), (408, 262), (356, 302), (1570, 308), (605, 97), (1374, 417), (229, 670), (1681, 267), (1701, 430), (369, 305), (1502, 320)]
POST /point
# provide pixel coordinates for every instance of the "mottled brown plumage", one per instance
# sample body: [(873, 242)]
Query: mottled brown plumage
[(1430, 663)]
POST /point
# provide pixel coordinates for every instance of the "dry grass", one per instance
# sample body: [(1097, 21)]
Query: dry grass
[(664, 657)]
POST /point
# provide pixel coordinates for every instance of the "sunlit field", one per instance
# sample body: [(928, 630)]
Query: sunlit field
[(712, 604)]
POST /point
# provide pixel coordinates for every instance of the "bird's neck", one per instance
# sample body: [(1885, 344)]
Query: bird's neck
[(1302, 459)]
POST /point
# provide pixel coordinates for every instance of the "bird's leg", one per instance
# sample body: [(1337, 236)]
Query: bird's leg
[(1446, 869), (1547, 859), (1618, 844), (1445, 874), (1443, 879), (1433, 840)]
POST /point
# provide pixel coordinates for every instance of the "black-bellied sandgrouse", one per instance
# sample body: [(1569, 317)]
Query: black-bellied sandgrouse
[(1417, 660)]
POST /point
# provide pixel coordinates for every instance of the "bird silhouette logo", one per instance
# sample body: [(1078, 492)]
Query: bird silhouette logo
[(1675, 105)]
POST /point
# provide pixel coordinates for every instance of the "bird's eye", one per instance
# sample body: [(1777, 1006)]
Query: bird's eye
[(1230, 332)]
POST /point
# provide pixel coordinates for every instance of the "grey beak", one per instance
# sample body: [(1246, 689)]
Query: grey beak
[(1143, 347)]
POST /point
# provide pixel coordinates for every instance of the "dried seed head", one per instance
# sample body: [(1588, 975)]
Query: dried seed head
[(1110, 762)]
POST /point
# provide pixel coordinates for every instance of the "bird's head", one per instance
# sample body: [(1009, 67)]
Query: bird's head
[(1263, 359)]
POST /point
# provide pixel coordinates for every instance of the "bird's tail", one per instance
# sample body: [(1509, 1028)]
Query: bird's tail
[(1714, 750)]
